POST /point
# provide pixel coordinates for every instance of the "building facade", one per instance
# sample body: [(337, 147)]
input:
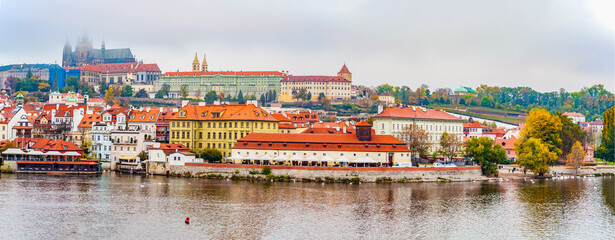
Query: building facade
[(333, 87), (393, 120), (200, 127)]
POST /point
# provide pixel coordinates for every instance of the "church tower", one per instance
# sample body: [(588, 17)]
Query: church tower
[(204, 64), (345, 73), (195, 63), (67, 55)]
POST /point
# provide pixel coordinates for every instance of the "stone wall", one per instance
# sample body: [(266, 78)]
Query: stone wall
[(314, 173), (157, 168)]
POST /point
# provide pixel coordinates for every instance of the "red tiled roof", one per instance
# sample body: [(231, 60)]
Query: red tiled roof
[(573, 114), (90, 68), (344, 69), (46, 144), (506, 143), (150, 67), (280, 117), (363, 124), (228, 73), (143, 115), (314, 79), (474, 125), (225, 112), (89, 119), (320, 142), (420, 113), (117, 67)]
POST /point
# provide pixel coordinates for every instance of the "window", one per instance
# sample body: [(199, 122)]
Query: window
[(200, 135)]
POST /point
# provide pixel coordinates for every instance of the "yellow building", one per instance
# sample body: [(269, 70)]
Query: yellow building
[(199, 127)]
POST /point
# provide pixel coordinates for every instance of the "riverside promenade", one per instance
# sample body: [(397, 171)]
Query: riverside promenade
[(314, 173)]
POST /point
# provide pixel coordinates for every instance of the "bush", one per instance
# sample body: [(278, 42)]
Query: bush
[(266, 170)]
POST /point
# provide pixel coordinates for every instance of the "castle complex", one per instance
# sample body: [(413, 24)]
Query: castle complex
[(85, 54)]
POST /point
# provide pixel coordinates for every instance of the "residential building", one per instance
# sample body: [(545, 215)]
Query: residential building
[(201, 126), (147, 73), (162, 124), (125, 148), (144, 120), (89, 74), (386, 98), (393, 120), (360, 149), (101, 142), (508, 143), (575, 117)]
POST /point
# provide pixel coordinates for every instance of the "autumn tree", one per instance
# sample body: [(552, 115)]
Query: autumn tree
[(606, 150), (570, 134), (184, 91), (450, 145), (485, 153), (576, 156), (109, 97), (416, 138), (535, 155), (542, 125)]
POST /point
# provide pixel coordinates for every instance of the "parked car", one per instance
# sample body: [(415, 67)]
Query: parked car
[(403, 164)]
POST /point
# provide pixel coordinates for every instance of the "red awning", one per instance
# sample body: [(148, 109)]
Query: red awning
[(52, 162)]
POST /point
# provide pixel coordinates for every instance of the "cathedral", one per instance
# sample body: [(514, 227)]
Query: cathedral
[(85, 54)]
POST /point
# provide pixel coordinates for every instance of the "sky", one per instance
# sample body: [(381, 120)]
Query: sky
[(546, 45)]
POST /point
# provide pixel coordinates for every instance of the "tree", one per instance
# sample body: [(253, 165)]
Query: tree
[(535, 155), (109, 97), (43, 86), (86, 146), (184, 91), (103, 88), (211, 97), (606, 150), (141, 93), (542, 125), (164, 91), (240, 99), (221, 96), (127, 91), (450, 145), (485, 153), (416, 138), (570, 134), (263, 100), (143, 156), (326, 103), (576, 156), (212, 155), (321, 96)]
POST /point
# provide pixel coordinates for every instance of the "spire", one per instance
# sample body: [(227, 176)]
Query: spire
[(195, 63), (344, 69), (204, 64)]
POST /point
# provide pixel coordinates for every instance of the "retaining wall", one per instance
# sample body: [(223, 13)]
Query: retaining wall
[(315, 173)]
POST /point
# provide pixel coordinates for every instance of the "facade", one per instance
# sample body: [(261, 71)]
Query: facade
[(125, 148), (392, 120), (46, 72), (147, 74), (508, 143), (360, 149), (89, 74), (144, 121), (575, 116), (101, 142), (199, 127), (386, 98), (199, 83), (85, 54), (333, 87)]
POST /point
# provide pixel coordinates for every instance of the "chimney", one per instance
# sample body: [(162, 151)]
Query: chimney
[(381, 108), (57, 106), (344, 129), (147, 109)]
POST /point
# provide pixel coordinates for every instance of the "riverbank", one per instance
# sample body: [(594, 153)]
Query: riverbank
[(320, 174)]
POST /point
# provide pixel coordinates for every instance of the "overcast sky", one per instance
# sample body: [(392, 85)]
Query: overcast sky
[(546, 45)]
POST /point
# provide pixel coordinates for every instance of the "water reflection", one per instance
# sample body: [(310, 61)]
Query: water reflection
[(125, 206)]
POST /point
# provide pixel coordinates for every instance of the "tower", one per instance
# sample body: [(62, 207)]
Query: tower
[(67, 55), (102, 48), (195, 63), (345, 73), (204, 64), (84, 46), (363, 130)]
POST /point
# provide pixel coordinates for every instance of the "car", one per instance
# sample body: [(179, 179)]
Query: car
[(437, 164), (403, 164)]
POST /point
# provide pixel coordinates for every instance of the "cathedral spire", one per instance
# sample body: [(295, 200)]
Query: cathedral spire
[(195, 63)]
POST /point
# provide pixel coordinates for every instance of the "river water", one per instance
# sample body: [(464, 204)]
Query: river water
[(114, 206)]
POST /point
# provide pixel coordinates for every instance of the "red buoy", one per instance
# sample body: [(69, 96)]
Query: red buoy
[(187, 220)]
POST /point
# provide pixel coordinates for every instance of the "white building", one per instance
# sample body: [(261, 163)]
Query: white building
[(144, 120), (575, 116), (126, 146), (101, 142), (393, 120)]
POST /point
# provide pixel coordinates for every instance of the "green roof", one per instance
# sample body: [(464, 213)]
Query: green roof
[(465, 90)]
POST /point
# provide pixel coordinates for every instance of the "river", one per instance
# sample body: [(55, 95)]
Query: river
[(114, 206)]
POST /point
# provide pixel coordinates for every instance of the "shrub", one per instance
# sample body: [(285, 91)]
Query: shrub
[(266, 170)]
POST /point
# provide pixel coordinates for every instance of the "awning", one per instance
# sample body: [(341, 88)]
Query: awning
[(72, 154), (61, 163), (14, 151), (54, 153), (265, 158), (342, 159), (280, 158), (312, 158), (252, 157), (235, 157), (35, 152), (364, 160), (327, 159), (296, 158)]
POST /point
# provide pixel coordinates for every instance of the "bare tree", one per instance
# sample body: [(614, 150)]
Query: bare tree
[(450, 144), (416, 138)]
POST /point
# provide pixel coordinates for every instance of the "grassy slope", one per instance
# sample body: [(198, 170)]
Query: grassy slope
[(511, 120)]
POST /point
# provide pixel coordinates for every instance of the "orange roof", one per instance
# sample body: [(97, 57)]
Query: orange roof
[(474, 125), (314, 79), (419, 113), (143, 115), (363, 124), (303, 117), (280, 117), (46, 144), (286, 126), (89, 119), (150, 67), (117, 67), (90, 68), (227, 73), (320, 142), (506, 143), (232, 112), (573, 114)]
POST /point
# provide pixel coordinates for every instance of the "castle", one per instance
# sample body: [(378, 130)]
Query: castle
[(85, 54)]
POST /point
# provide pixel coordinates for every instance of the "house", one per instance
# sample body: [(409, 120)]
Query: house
[(575, 116), (509, 145), (386, 98)]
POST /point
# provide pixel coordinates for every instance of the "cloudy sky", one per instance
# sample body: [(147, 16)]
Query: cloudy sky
[(546, 45)]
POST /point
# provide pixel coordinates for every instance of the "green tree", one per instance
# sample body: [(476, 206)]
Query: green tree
[(240, 99), (141, 93), (211, 97), (184, 91), (86, 148), (212, 155), (321, 96), (164, 91), (606, 150), (576, 156), (127, 91), (535, 155), (143, 155), (570, 134), (103, 88), (485, 153)]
